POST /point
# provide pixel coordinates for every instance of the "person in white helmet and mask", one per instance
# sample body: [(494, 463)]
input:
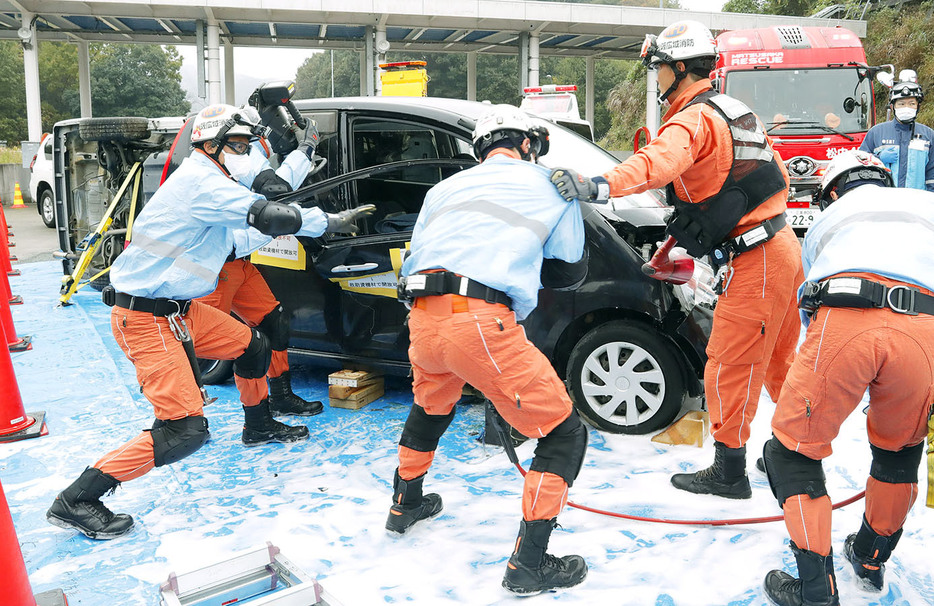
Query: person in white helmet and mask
[(868, 305), (181, 239), (904, 145), (241, 288)]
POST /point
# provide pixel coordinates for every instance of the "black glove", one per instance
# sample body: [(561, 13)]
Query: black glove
[(573, 186), (343, 222), (310, 139)]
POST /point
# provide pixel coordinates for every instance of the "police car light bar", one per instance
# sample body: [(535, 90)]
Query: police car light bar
[(551, 88)]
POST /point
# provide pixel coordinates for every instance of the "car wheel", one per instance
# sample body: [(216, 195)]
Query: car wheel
[(114, 129), (47, 207), (625, 378), (215, 372)]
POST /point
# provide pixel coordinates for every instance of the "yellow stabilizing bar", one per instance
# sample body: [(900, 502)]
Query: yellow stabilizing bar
[(88, 246)]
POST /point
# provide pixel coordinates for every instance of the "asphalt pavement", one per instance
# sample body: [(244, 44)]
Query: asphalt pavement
[(34, 241)]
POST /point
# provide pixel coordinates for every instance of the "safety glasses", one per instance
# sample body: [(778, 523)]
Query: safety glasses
[(238, 148)]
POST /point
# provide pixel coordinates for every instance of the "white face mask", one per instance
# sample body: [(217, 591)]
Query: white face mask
[(240, 168), (905, 114)]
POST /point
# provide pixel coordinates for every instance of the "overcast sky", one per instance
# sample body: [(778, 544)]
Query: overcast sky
[(254, 65)]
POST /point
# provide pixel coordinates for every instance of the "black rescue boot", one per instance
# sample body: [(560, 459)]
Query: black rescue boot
[(725, 478), (282, 401), (868, 551), (260, 428), (817, 585), (409, 505), (79, 507), (530, 570)]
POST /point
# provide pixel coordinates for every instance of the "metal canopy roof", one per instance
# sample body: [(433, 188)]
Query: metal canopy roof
[(489, 26)]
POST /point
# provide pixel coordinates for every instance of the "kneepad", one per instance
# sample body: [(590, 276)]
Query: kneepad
[(896, 467), (276, 326), (274, 219), (175, 439), (561, 452), (422, 430), (254, 361), (791, 473)]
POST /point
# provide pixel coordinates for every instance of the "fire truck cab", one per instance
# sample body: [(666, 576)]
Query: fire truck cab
[(812, 89)]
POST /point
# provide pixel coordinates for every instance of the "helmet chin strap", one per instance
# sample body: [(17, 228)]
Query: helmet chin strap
[(679, 76)]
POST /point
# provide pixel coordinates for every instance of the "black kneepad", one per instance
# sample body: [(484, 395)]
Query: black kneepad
[(791, 473), (175, 439), (896, 467), (422, 430), (254, 361), (561, 452), (276, 326), (270, 185)]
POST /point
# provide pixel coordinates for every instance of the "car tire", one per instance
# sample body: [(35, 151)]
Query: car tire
[(610, 362), (215, 372), (114, 129), (46, 207)]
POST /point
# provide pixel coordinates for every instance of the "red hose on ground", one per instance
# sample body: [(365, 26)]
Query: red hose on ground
[(728, 522)]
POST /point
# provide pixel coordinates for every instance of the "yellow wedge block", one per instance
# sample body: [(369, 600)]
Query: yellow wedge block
[(691, 430)]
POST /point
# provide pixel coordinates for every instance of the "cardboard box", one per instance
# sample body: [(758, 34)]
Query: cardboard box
[(356, 397), (353, 378)]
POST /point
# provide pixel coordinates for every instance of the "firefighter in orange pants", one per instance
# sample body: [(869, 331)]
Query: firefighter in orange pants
[(477, 250), (869, 310), (240, 286), (729, 189), (180, 241)]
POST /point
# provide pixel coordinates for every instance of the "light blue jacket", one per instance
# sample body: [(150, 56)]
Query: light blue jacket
[(183, 235), (494, 223), (879, 230)]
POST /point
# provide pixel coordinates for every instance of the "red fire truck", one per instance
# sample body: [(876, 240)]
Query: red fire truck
[(812, 89)]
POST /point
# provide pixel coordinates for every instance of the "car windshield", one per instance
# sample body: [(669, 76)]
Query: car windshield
[(805, 101)]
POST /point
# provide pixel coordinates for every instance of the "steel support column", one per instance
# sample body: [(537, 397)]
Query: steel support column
[(84, 79)]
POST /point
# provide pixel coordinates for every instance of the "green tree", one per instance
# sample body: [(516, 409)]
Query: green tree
[(626, 105), (135, 80), (13, 109), (313, 78), (58, 82)]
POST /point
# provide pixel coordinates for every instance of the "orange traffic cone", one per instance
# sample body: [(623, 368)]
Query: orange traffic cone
[(6, 267), (18, 197), (15, 423), (5, 230), (16, 588), (14, 343)]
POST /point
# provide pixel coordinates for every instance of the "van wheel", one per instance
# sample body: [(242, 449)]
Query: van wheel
[(625, 378), (47, 207), (114, 129)]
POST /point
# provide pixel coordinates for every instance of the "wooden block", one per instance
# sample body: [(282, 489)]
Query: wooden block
[(358, 397), (353, 378), (691, 429)]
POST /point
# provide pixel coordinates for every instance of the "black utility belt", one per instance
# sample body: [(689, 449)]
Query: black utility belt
[(746, 241), (156, 307), (865, 294), (448, 283)]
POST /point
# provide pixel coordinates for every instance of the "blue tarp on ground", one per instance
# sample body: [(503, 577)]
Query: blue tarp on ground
[(324, 501)]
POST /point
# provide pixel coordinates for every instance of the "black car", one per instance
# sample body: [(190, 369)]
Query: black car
[(630, 347)]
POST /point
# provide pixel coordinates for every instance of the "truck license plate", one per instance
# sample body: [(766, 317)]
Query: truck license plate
[(800, 218)]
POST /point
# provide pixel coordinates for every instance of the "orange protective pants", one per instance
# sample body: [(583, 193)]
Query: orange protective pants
[(847, 351), (755, 332), (165, 376), (455, 340), (242, 290)]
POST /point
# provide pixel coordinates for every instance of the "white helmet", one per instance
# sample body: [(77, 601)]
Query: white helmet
[(217, 122), (501, 122), (679, 41), (848, 167)]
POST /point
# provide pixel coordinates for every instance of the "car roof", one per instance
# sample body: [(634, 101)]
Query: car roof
[(435, 108)]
